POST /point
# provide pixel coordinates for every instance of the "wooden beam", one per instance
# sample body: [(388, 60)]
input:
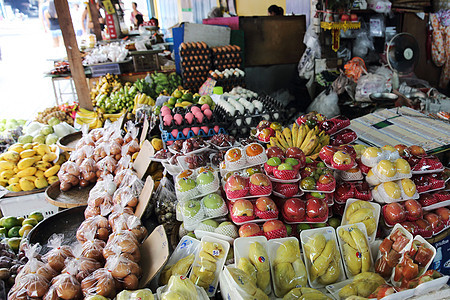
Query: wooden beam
[(73, 54), (95, 15)]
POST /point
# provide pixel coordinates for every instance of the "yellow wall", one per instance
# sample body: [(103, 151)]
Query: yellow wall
[(257, 7)]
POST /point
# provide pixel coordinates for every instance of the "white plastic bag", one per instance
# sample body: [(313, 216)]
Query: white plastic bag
[(313, 50), (368, 84), (380, 6), (326, 103)]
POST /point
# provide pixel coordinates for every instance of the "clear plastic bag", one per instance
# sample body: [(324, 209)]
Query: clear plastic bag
[(125, 270), (132, 224), (362, 44), (326, 103), (65, 286), (88, 171), (130, 148), (85, 266), (79, 155), (30, 283), (117, 211), (125, 163), (99, 223), (166, 201), (101, 282), (106, 165), (125, 175), (56, 257), (132, 132), (101, 151), (368, 84), (96, 134), (102, 191), (123, 244), (129, 195), (93, 248), (68, 175)]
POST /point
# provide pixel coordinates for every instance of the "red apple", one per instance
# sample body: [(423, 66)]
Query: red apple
[(349, 149), (236, 183), (275, 152), (249, 229), (424, 225), (444, 213), (294, 209), (297, 153), (434, 220), (260, 179), (345, 18), (413, 208), (316, 208), (242, 207), (273, 225), (416, 150), (362, 187), (265, 204), (343, 189), (286, 189), (394, 213), (326, 153), (411, 227), (420, 180), (401, 149)]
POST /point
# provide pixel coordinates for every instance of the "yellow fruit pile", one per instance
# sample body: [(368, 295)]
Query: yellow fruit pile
[(25, 167)]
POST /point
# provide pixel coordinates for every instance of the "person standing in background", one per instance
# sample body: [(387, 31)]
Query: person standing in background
[(51, 19), (134, 13), (76, 15), (275, 10), (86, 23)]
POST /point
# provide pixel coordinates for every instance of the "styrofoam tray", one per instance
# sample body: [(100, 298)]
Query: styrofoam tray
[(284, 197), (274, 179), (329, 233), (317, 191), (332, 168), (377, 211), (199, 234), (433, 190), (436, 205), (361, 227), (340, 176), (186, 246), (202, 295), (200, 150), (427, 172)]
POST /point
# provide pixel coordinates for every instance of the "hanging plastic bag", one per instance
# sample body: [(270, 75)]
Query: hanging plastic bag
[(93, 248), (306, 64), (166, 201), (380, 6), (132, 224), (362, 44), (368, 84), (56, 257), (124, 270), (123, 242), (326, 103)]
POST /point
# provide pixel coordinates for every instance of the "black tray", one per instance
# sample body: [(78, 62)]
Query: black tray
[(66, 222)]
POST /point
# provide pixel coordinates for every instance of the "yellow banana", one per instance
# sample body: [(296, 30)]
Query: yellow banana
[(281, 139), (294, 134), (288, 136), (307, 139), (302, 132)]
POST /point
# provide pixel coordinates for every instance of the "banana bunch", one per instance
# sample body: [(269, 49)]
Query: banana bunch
[(105, 85), (362, 211), (91, 118), (289, 270), (113, 117), (356, 250), (310, 141), (142, 99), (325, 259), (305, 293), (257, 266), (25, 167), (363, 285)]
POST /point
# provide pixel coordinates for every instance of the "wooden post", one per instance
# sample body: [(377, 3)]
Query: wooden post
[(73, 53), (95, 15)]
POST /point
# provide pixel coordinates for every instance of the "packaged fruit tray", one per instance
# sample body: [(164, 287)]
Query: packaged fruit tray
[(239, 158), (355, 249), (436, 205), (192, 184), (244, 211), (287, 190), (362, 211), (321, 243), (257, 185), (396, 191), (356, 190), (284, 170), (298, 211), (192, 116)]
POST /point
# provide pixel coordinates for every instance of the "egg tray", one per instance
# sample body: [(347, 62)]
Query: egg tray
[(229, 83), (206, 122), (167, 136)]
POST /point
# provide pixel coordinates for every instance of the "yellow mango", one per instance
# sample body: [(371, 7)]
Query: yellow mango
[(15, 187), (30, 178), (27, 153), (49, 157), (52, 179), (27, 146), (26, 185), (13, 179), (2, 156), (27, 172), (3, 183), (52, 171), (25, 163), (37, 157), (40, 182), (53, 147), (16, 169), (6, 175), (42, 149), (39, 173), (6, 165), (16, 147), (43, 165), (34, 144), (61, 159), (12, 156)]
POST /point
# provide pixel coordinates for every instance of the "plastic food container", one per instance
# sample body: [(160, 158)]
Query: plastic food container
[(376, 214)]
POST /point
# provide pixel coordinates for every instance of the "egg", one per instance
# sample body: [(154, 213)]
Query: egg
[(205, 129), (178, 119), (216, 129), (175, 133), (195, 109), (168, 120), (195, 130)]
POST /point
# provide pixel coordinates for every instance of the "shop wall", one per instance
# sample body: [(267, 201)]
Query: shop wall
[(256, 7)]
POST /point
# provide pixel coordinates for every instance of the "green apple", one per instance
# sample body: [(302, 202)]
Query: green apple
[(211, 223), (291, 161), (285, 167), (205, 178), (212, 201), (191, 234), (303, 226), (309, 160), (224, 224), (191, 208), (334, 222), (318, 195), (319, 225), (288, 229), (186, 184), (274, 161)]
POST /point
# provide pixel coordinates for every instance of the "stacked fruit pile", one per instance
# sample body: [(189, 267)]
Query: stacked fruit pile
[(25, 167), (14, 229), (62, 113)]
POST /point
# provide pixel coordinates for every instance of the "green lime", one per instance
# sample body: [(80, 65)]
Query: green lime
[(177, 94), (25, 229), (32, 222), (14, 232), (14, 243), (37, 215), (20, 219), (10, 222), (172, 101), (179, 100)]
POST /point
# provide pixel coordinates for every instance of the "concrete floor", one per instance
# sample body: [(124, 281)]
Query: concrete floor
[(26, 51)]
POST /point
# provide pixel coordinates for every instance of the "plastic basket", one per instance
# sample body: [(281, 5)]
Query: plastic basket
[(22, 206)]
